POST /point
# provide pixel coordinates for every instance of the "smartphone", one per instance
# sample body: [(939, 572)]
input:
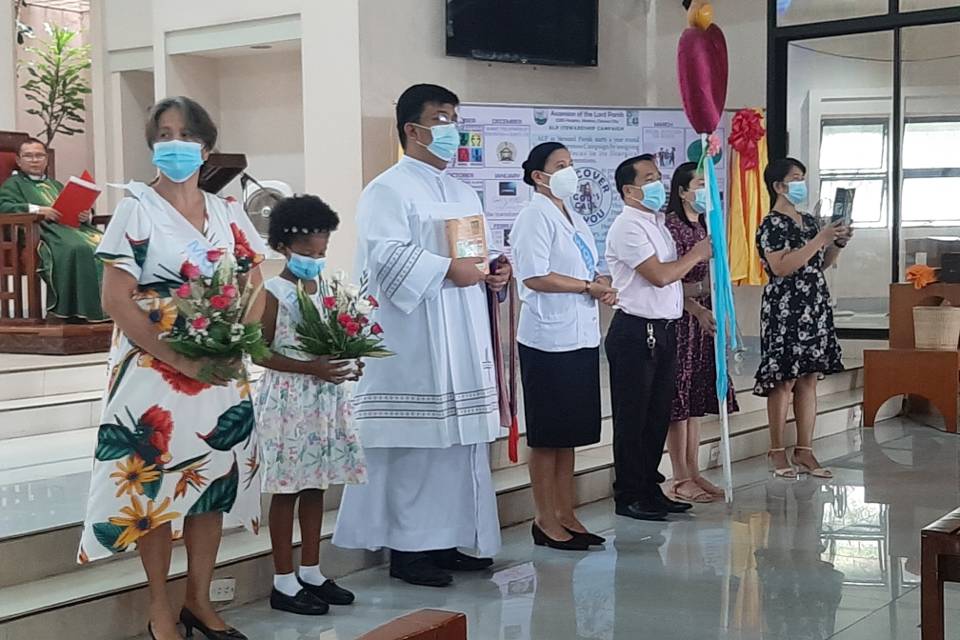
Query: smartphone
[(843, 207)]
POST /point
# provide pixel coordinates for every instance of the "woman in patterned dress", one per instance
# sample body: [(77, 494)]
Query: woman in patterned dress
[(798, 343), (695, 394), (174, 452)]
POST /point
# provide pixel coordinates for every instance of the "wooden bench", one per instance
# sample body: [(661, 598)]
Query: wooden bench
[(939, 563), (426, 624), (925, 377)]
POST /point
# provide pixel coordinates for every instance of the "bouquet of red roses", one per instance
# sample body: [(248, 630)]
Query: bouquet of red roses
[(341, 327), (212, 319)]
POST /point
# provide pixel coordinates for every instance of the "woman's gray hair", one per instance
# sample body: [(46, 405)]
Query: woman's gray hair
[(198, 121)]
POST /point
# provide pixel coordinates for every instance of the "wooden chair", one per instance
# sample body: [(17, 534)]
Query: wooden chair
[(426, 624), (939, 563), (923, 376)]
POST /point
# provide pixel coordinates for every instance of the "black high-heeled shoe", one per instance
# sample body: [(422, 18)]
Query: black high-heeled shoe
[(591, 539), (541, 539), (150, 631), (191, 622)]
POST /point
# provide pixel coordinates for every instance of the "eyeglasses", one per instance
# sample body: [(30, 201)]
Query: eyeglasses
[(34, 156)]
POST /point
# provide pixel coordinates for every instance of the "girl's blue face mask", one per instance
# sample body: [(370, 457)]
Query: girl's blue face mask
[(797, 192), (305, 267), (177, 159)]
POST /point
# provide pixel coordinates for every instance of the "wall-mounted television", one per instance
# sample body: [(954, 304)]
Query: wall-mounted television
[(543, 32)]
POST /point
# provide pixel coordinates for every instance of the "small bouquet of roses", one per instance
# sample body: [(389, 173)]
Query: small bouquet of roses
[(211, 320), (341, 328)]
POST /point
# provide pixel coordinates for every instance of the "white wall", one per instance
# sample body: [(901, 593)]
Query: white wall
[(261, 114), (136, 98)]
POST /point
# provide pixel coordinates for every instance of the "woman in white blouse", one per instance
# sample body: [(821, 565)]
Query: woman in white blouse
[(555, 260)]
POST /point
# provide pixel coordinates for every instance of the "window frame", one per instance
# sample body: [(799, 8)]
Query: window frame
[(882, 174)]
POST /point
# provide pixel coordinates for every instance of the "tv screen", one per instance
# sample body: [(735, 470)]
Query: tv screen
[(555, 32)]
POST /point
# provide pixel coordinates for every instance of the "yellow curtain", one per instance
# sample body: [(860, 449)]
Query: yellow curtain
[(749, 202)]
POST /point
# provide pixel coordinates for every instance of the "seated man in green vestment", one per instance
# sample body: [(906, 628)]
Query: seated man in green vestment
[(67, 263)]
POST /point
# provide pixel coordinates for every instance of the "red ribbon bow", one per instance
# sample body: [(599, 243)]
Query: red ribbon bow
[(746, 131)]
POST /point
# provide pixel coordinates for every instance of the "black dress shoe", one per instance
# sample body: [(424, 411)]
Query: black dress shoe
[(672, 506), (304, 603), (591, 539), (330, 592), (453, 560), (541, 539), (640, 511), (419, 570)]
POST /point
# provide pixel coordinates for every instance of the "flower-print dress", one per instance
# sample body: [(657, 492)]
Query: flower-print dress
[(168, 446), (305, 425), (695, 395), (796, 321)]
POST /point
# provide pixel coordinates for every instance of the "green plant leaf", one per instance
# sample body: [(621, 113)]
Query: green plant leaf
[(114, 441), (233, 427), (152, 489), (220, 495), (107, 535)]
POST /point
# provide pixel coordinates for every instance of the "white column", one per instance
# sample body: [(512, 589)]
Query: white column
[(332, 154), (8, 59)]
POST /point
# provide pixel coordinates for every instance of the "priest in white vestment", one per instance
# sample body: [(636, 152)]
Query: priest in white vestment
[(426, 415)]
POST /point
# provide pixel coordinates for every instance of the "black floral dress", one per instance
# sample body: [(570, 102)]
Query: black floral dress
[(796, 322)]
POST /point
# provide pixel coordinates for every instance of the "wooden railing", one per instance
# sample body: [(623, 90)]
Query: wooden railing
[(20, 292)]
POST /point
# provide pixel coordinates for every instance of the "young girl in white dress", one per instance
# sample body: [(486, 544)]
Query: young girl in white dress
[(303, 408)]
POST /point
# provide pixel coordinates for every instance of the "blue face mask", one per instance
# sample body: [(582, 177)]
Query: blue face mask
[(700, 200), (177, 159), (797, 192), (305, 267), (446, 140), (654, 196)]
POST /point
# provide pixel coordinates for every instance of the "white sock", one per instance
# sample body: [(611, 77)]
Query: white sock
[(287, 584), (312, 575)]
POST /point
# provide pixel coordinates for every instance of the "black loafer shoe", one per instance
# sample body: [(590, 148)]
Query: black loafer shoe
[(639, 511), (422, 572), (304, 603), (672, 506), (453, 560), (330, 592), (591, 539)]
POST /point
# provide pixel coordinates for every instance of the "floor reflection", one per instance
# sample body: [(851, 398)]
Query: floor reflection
[(802, 560)]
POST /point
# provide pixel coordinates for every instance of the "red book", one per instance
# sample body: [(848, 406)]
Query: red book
[(77, 196)]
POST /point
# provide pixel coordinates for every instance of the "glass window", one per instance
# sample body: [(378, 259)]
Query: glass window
[(805, 11), (853, 154), (854, 146), (931, 144), (920, 5), (931, 200)]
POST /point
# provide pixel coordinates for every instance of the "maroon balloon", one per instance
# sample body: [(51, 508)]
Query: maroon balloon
[(703, 67)]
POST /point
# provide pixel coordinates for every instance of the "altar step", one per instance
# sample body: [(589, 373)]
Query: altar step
[(44, 594)]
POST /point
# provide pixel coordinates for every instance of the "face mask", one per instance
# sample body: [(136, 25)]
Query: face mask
[(797, 192), (305, 267), (446, 140), (177, 159), (654, 196), (700, 200), (563, 183)]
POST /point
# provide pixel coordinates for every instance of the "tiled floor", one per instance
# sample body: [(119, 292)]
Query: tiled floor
[(802, 560)]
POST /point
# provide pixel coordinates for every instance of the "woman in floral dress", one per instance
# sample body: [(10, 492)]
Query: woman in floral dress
[(798, 343), (174, 453), (695, 394)]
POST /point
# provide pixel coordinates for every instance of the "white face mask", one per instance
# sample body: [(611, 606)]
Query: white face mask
[(564, 182)]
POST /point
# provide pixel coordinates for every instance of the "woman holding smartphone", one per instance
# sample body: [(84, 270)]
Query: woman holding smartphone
[(798, 340)]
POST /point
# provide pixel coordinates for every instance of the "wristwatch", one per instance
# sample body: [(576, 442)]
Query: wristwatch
[(586, 287)]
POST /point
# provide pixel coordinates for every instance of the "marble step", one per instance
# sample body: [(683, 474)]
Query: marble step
[(48, 556), (104, 594)]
